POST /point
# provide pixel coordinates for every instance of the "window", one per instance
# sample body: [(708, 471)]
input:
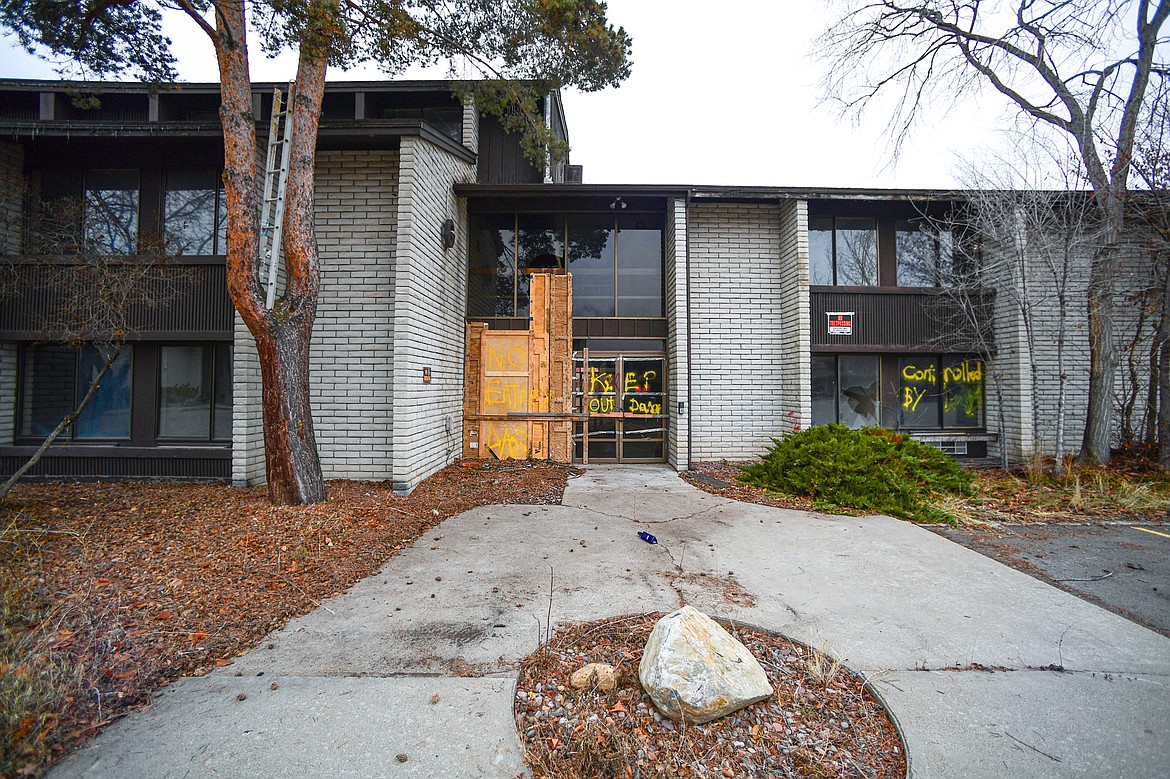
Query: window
[(110, 211), (56, 379), (940, 392), (934, 392), (842, 251), (592, 255), (845, 390), (616, 262), (195, 392), (194, 213)]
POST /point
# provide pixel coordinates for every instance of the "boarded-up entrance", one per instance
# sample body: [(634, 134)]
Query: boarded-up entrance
[(517, 386)]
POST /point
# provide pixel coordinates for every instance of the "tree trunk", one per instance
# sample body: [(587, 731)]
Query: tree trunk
[(282, 334), (1164, 376)]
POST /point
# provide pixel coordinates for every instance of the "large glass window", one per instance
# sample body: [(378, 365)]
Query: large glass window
[(591, 261), (616, 262), (925, 254), (843, 251), (492, 267), (111, 211), (940, 392), (195, 392), (639, 268), (845, 389), (56, 379), (194, 213)]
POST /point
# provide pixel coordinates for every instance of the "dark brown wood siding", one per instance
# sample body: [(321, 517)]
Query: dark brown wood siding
[(500, 159), (191, 302), (903, 320)]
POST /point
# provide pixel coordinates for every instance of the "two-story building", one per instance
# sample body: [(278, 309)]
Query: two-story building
[(711, 319)]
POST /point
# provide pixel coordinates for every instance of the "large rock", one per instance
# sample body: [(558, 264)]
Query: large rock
[(693, 668)]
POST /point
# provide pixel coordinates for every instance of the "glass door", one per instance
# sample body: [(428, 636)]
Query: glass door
[(624, 396)]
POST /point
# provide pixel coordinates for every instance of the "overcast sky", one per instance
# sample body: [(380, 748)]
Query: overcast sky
[(726, 98)]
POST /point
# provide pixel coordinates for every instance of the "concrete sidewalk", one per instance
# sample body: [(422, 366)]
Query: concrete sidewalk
[(453, 613)]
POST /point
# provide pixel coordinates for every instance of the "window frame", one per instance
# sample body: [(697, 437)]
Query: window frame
[(834, 253)]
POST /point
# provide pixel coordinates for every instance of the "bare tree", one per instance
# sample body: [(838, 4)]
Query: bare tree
[(101, 280), (1079, 67)]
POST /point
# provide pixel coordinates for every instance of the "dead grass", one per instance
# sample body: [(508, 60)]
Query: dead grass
[(1128, 489), (110, 591)]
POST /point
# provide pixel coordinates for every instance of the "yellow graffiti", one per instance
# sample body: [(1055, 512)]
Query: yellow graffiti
[(632, 385), (966, 372), (602, 405), (911, 397), (914, 373), (512, 396), (600, 382), (644, 407), (509, 443), (517, 357)]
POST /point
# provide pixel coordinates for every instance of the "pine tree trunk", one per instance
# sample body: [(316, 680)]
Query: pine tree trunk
[(282, 334)]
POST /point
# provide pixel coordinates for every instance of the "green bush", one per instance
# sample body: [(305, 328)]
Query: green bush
[(872, 469)]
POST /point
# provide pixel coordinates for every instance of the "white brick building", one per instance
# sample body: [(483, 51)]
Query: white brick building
[(706, 320)]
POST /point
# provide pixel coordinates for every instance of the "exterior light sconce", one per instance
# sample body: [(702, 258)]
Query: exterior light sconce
[(448, 234), (617, 203)]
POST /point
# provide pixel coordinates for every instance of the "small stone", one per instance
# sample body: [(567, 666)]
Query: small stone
[(598, 676), (434, 698), (438, 578), (273, 686), (401, 757), (241, 697)]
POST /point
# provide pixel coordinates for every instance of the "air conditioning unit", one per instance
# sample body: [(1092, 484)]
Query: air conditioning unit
[(574, 174)]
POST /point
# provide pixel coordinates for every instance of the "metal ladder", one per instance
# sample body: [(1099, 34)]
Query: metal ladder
[(280, 131)]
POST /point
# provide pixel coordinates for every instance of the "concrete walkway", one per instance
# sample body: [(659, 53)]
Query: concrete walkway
[(344, 690)]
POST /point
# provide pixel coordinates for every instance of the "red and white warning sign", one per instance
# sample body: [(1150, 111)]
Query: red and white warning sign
[(840, 322)]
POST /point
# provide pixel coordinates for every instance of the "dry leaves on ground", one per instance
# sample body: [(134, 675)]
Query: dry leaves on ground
[(113, 590), (821, 721)]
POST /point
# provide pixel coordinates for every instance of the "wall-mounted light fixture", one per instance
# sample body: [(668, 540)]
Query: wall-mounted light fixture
[(448, 234), (617, 203)]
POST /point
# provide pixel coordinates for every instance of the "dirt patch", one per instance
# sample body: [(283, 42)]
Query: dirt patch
[(707, 476), (111, 591), (820, 722)]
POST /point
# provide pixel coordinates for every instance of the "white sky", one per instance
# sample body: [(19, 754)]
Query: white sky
[(726, 98)]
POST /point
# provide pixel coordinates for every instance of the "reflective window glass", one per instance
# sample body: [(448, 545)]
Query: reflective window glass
[(221, 424), (539, 235), (185, 387), (642, 385), (858, 402), (962, 391), (108, 413), (194, 213), (639, 268), (491, 277), (919, 395), (111, 211), (46, 389), (591, 261), (824, 390), (820, 250), (856, 248)]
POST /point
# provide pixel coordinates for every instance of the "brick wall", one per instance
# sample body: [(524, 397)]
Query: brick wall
[(470, 124), (795, 334), (677, 356), (1031, 399), (429, 304), (11, 196), (352, 351), (738, 282)]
